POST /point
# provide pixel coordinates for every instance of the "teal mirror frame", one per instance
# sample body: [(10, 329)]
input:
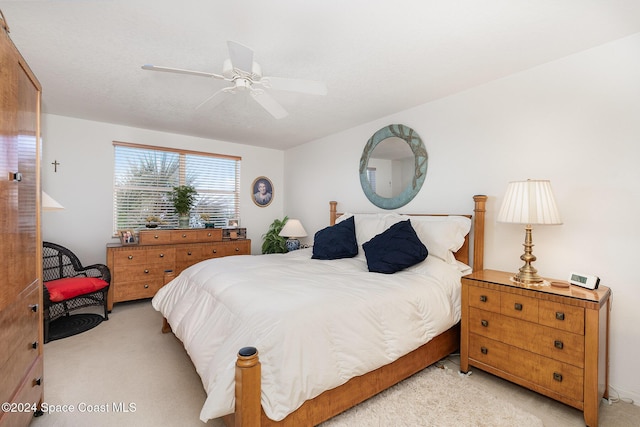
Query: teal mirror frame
[(412, 138)]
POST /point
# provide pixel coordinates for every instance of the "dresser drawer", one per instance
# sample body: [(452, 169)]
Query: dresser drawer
[(559, 377), (486, 299), (154, 237), (130, 273), (137, 289), (562, 316), (553, 343), (237, 247), (30, 392), (519, 307), (129, 256), (20, 342)]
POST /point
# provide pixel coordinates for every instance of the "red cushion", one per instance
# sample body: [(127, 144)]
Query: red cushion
[(64, 289)]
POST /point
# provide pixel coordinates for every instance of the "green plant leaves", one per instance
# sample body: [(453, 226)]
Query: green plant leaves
[(273, 243)]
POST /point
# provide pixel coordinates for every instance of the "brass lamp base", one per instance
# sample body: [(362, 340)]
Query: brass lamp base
[(527, 273)]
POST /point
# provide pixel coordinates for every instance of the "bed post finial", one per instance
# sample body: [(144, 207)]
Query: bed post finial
[(332, 212), (478, 232), (248, 409)]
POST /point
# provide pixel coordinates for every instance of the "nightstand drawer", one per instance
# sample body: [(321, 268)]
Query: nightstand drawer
[(562, 316), (519, 306), (486, 299), (559, 377), (556, 344)]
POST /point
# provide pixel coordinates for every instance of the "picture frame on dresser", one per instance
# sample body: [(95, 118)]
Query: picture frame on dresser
[(127, 237)]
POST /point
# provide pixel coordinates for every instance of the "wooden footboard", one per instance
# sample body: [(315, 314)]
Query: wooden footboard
[(332, 402), (248, 410)]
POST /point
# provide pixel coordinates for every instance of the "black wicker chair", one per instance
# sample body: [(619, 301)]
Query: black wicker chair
[(59, 262)]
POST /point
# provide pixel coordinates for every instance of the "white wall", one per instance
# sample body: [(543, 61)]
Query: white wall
[(84, 181), (575, 121)]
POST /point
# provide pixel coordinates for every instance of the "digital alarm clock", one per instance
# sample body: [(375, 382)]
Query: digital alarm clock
[(584, 280)]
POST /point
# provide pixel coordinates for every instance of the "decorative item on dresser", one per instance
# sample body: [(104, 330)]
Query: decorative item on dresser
[(551, 340), (137, 271), (21, 354)]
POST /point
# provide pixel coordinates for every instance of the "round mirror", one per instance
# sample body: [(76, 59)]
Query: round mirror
[(393, 166)]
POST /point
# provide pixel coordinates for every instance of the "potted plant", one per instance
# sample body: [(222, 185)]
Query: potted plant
[(273, 242), (183, 198)]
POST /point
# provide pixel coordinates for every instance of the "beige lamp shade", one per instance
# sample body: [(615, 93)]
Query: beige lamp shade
[(293, 228), (529, 202), (49, 204)]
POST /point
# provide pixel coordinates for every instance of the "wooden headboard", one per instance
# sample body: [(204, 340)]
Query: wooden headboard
[(477, 229)]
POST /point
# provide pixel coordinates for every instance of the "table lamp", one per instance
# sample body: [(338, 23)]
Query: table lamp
[(529, 202), (49, 204), (292, 230)]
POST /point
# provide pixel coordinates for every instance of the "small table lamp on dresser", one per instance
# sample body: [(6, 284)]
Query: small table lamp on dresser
[(529, 202), (292, 230)]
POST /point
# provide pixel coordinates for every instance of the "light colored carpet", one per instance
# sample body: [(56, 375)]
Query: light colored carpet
[(435, 397), (127, 362)]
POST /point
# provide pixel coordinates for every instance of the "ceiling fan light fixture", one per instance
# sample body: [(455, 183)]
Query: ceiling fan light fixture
[(244, 75)]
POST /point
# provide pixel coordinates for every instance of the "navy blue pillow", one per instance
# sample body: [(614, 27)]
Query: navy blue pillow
[(338, 241), (395, 249)]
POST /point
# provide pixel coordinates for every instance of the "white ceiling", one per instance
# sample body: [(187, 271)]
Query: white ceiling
[(377, 57)]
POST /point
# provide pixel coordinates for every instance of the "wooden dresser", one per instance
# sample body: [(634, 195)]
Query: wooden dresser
[(551, 340), (137, 271), (21, 388)]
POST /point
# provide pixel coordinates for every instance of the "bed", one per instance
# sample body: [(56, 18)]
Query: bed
[(329, 332)]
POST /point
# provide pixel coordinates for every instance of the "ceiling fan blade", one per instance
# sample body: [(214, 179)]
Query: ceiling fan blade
[(215, 99), (310, 87), (241, 56), (270, 104), (180, 71)]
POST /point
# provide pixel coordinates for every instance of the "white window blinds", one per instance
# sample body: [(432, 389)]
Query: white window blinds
[(145, 175)]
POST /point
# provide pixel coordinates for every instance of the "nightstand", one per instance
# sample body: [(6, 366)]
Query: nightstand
[(551, 340)]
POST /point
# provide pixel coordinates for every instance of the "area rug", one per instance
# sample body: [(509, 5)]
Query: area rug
[(74, 324), (438, 397)]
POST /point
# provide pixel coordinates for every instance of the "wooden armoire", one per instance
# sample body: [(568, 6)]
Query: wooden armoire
[(21, 368)]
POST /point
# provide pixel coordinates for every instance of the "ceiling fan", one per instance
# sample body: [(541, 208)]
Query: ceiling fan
[(246, 75)]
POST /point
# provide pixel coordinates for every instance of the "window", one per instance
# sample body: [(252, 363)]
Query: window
[(145, 175)]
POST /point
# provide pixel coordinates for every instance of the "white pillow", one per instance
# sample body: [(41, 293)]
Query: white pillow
[(368, 226), (442, 235)]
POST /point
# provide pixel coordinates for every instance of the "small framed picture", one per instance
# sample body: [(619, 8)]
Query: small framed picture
[(262, 191), (232, 223), (127, 237)]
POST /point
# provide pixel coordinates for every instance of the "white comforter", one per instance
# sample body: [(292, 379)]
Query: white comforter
[(316, 324)]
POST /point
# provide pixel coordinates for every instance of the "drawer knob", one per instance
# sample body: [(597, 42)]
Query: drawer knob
[(130, 257), (237, 249), (146, 286), (189, 253), (557, 376), (37, 381), (558, 344), (559, 315), (518, 306), (34, 345), (215, 251), (156, 236), (161, 255), (146, 272), (484, 323), (33, 307), (184, 236), (208, 234), (484, 350), (483, 298)]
